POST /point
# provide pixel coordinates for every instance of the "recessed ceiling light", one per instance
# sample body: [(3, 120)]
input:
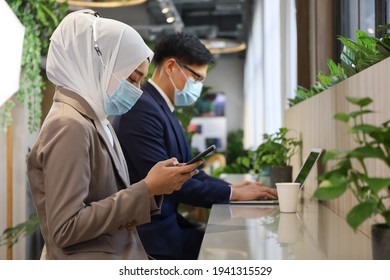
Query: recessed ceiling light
[(165, 10), (223, 45), (170, 19)]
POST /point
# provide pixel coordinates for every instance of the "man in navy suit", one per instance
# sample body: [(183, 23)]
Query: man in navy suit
[(150, 132)]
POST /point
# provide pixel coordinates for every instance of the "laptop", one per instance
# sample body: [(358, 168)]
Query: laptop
[(307, 166)]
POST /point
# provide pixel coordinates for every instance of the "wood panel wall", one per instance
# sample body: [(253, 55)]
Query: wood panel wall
[(313, 119), (322, 45), (303, 42)]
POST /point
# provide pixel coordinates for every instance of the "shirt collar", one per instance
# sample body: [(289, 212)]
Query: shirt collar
[(167, 100)]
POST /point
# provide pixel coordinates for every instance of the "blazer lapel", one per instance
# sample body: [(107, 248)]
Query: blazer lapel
[(119, 152), (115, 152), (176, 126), (179, 132), (82, 106)]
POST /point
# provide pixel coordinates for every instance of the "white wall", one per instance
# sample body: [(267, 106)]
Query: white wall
[(227, 76), (20, 138)]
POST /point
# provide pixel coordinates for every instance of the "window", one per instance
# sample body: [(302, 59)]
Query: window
[(364, 15), (357, 14)]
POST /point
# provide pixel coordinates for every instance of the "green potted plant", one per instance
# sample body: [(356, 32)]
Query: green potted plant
[(273, 156), (355, 57), (350, 172), (238, 161)]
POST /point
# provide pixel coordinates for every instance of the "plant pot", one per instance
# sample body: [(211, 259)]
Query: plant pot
[(280, 174), (380, 234)]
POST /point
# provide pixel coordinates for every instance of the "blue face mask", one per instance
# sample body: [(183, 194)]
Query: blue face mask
[(123, 98), (190, 92), (125, 95)]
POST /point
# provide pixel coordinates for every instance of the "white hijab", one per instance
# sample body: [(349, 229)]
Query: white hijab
[(73, 63)]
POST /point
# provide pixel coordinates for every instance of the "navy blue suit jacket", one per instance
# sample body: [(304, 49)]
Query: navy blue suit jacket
[(149, 133)]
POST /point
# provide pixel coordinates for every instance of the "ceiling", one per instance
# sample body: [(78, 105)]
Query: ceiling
[(205, 19)]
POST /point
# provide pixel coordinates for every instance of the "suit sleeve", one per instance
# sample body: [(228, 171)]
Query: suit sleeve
[(202, 190), (143, 135)]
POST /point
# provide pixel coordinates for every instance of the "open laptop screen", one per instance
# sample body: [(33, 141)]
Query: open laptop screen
[(301, 177), (308, 165)]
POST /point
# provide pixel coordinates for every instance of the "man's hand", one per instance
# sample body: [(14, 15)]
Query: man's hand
[(248, 190)]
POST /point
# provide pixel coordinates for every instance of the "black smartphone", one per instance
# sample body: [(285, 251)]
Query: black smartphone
[(202, 154)]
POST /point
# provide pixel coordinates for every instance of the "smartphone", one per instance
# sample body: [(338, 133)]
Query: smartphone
[(202, 154)]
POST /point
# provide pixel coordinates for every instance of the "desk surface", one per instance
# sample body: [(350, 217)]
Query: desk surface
[(262, 232)]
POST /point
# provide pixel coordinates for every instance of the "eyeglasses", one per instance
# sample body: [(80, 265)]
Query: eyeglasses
[(198, 78)]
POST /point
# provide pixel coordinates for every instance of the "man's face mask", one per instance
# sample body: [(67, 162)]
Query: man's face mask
[(190, 92)]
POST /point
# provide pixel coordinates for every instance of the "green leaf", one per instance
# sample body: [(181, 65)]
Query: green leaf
[(354, 47), (244, 161), (302, 91), (348, 57), (362, 102), (385, 42), (332, 188), (386, 123), (383, 50), (317, 88), (367, 152), (333, 68), (364, 128), (337, 171), (360, 213), (377, 184), (50, 14), (363, 64), (382, 138), (342, 75), (329, 155), (359, 113), (324, 80), (365, 40), (372, 59), (341, 117), (349, 70), (11, 236), (386, 215)]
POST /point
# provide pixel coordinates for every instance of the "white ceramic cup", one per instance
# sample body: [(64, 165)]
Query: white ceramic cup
[(288, 196)]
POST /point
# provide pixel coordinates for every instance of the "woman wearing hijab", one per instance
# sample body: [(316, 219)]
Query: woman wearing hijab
[(77, 172)]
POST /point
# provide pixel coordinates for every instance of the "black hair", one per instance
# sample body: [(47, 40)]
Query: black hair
[(184, 48)]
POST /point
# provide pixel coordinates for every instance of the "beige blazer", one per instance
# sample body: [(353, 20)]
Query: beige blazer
[(80, 187)]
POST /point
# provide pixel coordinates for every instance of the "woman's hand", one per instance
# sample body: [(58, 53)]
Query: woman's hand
[(168, 176)]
